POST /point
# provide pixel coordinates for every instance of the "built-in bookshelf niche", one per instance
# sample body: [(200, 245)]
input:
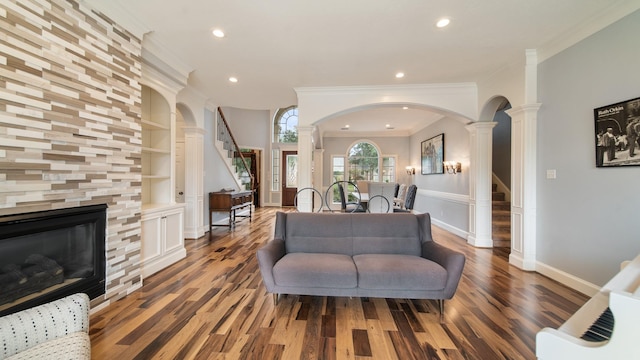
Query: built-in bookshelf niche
[(156, 148)]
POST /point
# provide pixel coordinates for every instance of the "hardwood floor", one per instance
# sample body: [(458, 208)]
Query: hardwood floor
[(212, 305)]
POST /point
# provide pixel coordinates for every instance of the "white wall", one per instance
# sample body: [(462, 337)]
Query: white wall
[(588, 216)]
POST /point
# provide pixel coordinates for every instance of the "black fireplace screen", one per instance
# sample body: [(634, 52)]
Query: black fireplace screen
[(51, 254)]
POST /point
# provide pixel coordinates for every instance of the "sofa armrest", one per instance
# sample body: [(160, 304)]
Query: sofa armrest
[(268, 255), (451, 260), (54, 320)]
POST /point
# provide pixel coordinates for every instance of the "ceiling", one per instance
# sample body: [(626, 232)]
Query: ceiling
[(273, 47)]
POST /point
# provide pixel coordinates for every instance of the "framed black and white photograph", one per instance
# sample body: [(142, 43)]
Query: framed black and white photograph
[(617, 130), (432, 155)]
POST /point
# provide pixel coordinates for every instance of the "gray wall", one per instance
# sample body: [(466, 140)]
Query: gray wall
[(587, 217), (251, 128), (216, 176), (501, 151), (444, 207)]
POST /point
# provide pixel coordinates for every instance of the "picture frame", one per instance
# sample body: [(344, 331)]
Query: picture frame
[(617, 134), (432, 155)]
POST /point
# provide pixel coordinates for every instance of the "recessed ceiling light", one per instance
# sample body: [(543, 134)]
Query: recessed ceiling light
[(400, 75), (218, 33), (405, 108), (388, 126), (233, 79), (443, 22)]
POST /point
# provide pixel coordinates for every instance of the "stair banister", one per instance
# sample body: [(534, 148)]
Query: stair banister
[(225, 135)]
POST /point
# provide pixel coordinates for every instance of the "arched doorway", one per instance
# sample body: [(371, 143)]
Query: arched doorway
[(188, 165), (501, 176)]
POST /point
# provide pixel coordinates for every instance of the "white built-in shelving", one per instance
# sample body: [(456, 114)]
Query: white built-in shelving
[(162, 224)]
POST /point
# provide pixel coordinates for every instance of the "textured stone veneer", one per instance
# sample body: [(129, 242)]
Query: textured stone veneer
[(70, 130)]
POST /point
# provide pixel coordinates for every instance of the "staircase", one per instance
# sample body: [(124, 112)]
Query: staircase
[(230, 152), (501, 219)]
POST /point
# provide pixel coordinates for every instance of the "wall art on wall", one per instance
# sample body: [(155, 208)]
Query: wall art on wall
[(432, 155), (617, 134)]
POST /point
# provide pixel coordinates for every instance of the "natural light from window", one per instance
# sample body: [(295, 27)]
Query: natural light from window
[(286, 125)]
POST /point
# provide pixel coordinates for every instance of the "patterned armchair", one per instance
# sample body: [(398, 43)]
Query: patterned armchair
[(56, 330)]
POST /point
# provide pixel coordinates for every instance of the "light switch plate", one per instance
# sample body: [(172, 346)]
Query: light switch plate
[(551, 173)]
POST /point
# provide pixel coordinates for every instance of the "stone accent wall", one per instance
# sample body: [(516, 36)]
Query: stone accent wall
[(70, 129)]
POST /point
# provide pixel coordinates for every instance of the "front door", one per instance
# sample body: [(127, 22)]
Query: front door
[(289, 179)]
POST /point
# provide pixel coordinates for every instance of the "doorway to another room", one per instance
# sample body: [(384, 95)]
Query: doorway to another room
[(289, 178)]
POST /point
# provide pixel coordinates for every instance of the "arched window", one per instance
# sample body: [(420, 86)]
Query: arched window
[(285, 129), (363, 162)]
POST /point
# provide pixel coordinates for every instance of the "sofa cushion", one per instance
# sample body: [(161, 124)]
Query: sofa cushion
[(315, 270), (318, 233), (399, 272), (75, 346), (386, 234)]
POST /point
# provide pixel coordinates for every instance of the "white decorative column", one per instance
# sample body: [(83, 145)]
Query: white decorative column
[(480, 145), (524, 125), (194, 183), (305, 166), (524, 121)]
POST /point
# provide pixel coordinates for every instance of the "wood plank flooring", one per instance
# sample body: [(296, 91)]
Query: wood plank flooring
[(212, 305)]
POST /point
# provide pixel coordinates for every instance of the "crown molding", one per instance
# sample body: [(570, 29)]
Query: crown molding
[(332, 90), (162, 59), (350, 134), (119, 15)]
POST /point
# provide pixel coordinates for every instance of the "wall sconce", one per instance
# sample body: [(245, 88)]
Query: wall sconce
[(452, 167), (411, 170)]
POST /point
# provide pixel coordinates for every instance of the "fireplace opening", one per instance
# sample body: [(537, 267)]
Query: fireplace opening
[(47, 255)]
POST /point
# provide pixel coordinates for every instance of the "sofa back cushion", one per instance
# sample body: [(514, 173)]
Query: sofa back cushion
[(318, 233), (386, 234), (351, 234)]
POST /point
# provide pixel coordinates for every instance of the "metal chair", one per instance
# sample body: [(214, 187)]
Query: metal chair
[(378, 190), (314, 192), (345, 205)]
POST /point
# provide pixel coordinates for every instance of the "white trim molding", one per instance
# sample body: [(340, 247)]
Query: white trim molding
[(567, 279), (456, 198)]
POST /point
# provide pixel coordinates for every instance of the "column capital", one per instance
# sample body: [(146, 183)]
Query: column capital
[(480, 125), (193, 130), (524, 109)]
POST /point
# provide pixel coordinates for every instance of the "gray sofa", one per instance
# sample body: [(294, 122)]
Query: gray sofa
[(361, 255)]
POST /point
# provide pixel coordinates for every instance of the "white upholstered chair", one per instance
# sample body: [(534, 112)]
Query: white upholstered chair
[(55, 330), (381, 197)]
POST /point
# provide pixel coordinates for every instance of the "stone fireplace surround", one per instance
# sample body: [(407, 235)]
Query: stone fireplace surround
[(70, 127)]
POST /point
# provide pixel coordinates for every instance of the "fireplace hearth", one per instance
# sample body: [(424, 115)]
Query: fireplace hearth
[(47, 255)]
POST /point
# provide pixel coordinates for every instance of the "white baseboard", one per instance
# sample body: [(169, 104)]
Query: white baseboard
[(452, 229), (569, 280)]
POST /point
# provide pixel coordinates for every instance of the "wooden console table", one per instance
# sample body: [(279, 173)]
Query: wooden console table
[(230, 201)]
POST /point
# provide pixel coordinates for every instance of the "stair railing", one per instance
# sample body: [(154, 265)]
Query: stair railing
[(226, 136)]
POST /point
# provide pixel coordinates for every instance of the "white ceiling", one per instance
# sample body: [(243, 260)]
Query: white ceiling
[(275, 46)]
